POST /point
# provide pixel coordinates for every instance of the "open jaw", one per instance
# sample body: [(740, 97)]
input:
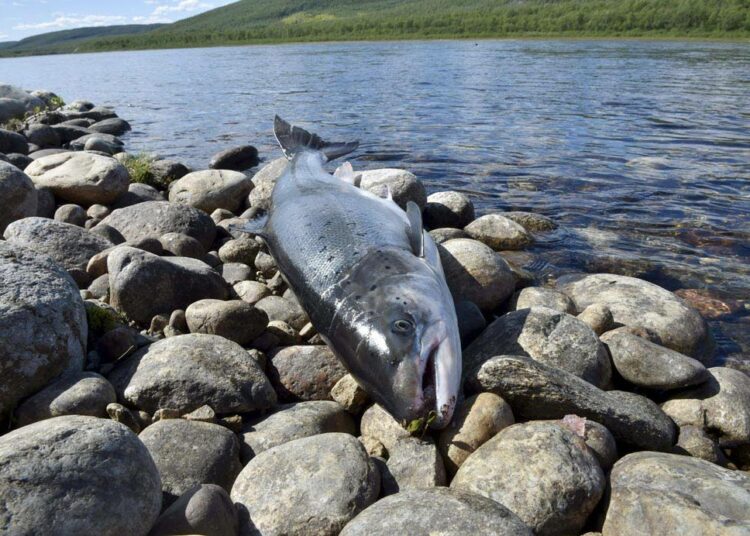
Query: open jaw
[(438, 393)]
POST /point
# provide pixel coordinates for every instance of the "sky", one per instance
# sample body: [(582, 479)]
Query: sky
[(22, 18)]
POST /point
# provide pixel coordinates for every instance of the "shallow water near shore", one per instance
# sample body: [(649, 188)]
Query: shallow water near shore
[(640, 150)]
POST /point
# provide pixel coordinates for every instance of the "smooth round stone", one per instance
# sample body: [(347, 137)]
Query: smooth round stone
[(242, 250), (236, 158), (203, 509), (545, 297), (640, 304), (413, 463), (443, 511), (404, 186), (304, 372), (80, 475), (313, 485), (72, 214), (448, 209), (18, 194), (182, 245), (694, 441), (137, 193), (251, 291), (210, 189), (234, 320), (114, 126), (188, 371), (265, 264), (294, 421), (264, 181), (476, 273), (12, 142), (81, 178), (514, 469), (43, 327), (289, 311), (81, 393), (378, 424), (234, 272), (598, 317), (443, 234), (499, 233), (649, 365), (475, 422), (189, 453), (680, 495)]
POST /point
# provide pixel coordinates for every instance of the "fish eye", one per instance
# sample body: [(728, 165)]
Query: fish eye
[(402, 326)]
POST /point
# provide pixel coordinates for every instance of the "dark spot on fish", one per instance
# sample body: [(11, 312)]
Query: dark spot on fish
[(357, 297), (330, 258), (387, 267), (373, 287)]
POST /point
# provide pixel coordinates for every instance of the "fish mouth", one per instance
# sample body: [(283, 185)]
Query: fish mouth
[(438, 390)]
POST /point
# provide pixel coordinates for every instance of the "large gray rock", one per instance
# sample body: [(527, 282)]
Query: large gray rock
[(143, 284), (80, 393), (404, 186), (548, 336), (304, 372), (12, 142), (43, 136), (412, 463), (43, 326), (18, 194), (30, 102), (77, 475), (294, 421), (448, 209), (68, 245), (680, 495), (476, 273), (234, 319), (152, 219), (720, 406), (438, 511), (188, 371), (210, 189), (649, 365), (542, 472), (11, 109), (188, 453), (640, 304), (538, 391), (236, 158), (264, 181), (313, 485), (499, 232), (114, 126), (204, 509), (81, 178)]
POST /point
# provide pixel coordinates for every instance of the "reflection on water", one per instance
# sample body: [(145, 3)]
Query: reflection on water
[(641, 150)]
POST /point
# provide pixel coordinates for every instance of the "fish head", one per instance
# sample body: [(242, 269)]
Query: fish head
[(400, 338)]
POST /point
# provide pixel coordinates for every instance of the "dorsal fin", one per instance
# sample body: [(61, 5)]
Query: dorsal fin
[(296, 139), (415, 231), (345, 172)]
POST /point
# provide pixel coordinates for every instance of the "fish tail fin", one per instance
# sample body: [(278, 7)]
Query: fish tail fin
[(295, 139)]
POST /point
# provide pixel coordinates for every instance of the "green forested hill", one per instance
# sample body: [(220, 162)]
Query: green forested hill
[(68, 40), (249, 21)]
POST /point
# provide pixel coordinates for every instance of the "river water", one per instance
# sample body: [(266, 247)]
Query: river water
[(640, 150)]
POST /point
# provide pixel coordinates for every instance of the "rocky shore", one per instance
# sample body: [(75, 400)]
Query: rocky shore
[(157, 376)]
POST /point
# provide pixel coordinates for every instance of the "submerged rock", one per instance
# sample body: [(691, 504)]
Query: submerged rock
[(499, 232)]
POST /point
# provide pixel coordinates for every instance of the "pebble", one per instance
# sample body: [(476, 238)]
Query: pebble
[(349, 394), (251, 291), (378, 424), (182, 245)]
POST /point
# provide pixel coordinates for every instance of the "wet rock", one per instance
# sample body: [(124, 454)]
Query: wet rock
[(709, 306), (251, 291), (404, 186), (412, 463), (143, 285), (444, 511), (18, 194), (181, 245), (530, 221), (43, 327), (550, 337), (637, 303), (12, 142), (443, 234), (559, 501), (236, 158), (98, 212), (211, 189), (378, 424), (72, 214), (448, 209), (538, 391), (234, 320), (80, 475), (471, 321), (678, 494), (234, 272), (289, 311), (138, 193), (242, 250), (694, 441), (598, 317), (477, 420), (476, 273), (80, 393), (68, 245), (188, 453), (545, 297), (304, 372), (114, 126), (720, 405), (188, 371), (499, 232), (294, 421), (157, 218), (649, 365), (81, 178), (313, 485), (264, 181), (204, 509), (348, 393)]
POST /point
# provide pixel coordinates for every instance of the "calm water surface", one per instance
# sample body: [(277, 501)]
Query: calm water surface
[(641, 150)]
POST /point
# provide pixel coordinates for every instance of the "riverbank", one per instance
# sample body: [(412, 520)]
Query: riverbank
[(169, 358)]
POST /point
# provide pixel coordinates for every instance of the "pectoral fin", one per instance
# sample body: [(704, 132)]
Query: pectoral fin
[(415, 231), (256, 226)]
